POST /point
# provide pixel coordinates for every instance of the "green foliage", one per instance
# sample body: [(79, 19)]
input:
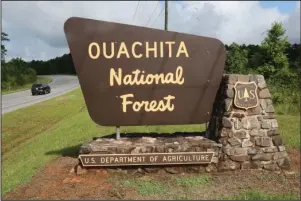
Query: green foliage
[(277, 60), (237, 59), (288, 93), (58, 65), (26, 86), (146, 188), (4, 37), (193, 182), (16, 73), (283, 78), (289, 126)]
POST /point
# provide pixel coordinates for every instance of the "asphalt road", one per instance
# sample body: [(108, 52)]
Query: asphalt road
[(60, 84)]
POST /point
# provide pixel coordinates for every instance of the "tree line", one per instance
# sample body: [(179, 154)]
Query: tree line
[(275, 58), (16, 72)]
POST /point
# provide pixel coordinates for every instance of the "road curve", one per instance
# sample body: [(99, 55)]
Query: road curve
[(60, 84)]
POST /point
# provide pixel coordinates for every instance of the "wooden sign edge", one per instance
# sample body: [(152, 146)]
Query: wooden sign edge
[(136, 26), (76, 18)]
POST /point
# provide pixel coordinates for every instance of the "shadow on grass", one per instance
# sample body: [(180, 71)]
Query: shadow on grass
[(67, 151), (163, 135)]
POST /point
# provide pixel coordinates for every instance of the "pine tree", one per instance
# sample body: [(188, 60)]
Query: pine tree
[(275, 61)]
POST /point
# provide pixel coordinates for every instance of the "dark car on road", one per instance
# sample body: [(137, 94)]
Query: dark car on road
[(40, 89)]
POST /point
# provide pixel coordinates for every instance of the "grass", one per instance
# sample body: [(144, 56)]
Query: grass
[(193, 182), (183, 187), (26, 148), (62, 125), (288, 109), (146, 188), (257, 195), (289, 126), (26, 86)]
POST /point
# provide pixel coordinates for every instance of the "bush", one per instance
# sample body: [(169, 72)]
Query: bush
[(285, 96), (17, 73)]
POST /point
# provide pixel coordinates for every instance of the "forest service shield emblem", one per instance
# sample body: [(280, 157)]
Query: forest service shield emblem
[(245, 95)]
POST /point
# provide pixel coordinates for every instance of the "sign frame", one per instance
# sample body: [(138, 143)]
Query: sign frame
[(168, 101), (146, 154)]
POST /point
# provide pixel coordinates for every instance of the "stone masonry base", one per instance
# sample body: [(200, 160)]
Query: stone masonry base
[(171, 144), (250, 137), (239, 138)]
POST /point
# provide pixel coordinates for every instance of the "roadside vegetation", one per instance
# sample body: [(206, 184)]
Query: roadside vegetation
[(17, 74), (277, 60), (14, 89)]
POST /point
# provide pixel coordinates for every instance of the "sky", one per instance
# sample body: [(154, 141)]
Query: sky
[(283, 6), (35, 28)]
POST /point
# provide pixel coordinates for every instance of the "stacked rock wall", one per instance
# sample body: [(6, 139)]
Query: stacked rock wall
[(250, 137), (241, 138), (171, 144)]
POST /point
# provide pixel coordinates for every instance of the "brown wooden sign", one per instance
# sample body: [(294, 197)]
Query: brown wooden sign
[(133, 75), (146, 159), (245, 95)]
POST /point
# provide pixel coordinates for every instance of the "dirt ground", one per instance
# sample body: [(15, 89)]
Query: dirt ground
[(56, 181)]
